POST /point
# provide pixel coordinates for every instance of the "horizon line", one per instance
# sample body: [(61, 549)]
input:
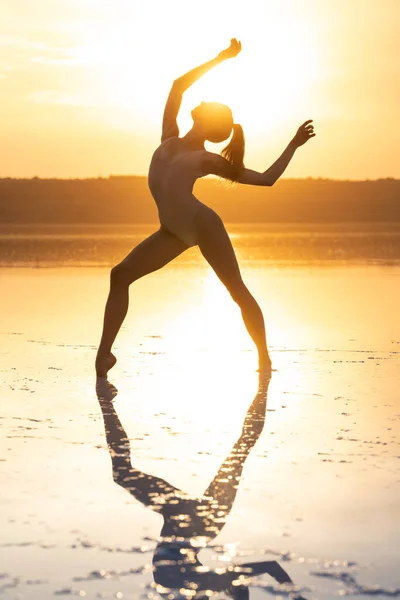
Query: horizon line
[(131, 176)]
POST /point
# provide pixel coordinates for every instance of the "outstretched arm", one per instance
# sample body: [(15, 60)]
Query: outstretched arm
[(269, 567), (180, 85), (217, 165), (233, 580)]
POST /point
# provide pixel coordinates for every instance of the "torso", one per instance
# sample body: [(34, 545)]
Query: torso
[(172, 174)]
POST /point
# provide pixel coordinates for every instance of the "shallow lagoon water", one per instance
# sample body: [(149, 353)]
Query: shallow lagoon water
[(320, 489)]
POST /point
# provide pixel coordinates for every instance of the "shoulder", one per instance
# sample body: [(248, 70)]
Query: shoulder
[(168, 143), (170, 132), (215, 164)]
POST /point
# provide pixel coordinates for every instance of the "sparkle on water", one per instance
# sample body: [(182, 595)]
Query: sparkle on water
[(320, 484)]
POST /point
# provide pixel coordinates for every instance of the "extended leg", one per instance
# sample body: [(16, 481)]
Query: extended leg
[(217, 249), (221, 493), (150, 255)]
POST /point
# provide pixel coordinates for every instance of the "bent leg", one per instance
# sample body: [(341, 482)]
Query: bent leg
[(150, 255), (217, 249), (151, 491)]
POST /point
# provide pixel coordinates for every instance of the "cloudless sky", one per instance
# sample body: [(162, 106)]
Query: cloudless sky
[(83, 82)]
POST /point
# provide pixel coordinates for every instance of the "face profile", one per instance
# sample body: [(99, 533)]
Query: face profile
[(176, 165), (190, 523), (240, 454), (215, 119)]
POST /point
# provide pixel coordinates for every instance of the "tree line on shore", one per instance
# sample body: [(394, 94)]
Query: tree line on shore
[(126, 199)]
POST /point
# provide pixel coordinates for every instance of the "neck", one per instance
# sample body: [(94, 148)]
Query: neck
[(194, 138)]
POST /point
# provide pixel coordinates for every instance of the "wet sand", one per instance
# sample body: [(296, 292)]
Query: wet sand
[(320, 490)]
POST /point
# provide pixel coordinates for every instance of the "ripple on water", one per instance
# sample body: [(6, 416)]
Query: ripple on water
[(353, 588)]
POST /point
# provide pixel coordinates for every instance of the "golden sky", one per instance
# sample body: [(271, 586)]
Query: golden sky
[(83, 82)]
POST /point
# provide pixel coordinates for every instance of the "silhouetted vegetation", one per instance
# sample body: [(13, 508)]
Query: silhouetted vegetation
[(128, 200)]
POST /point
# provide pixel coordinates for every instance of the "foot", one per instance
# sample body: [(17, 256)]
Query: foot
[(105, 390), (104, 362), (264, 364)]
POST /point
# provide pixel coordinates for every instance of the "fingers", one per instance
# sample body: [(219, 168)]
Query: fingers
[(305, 132), (236, 45), (308, 128)]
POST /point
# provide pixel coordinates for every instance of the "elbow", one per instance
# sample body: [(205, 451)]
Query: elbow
[(269, 182), (177, 85), (268, 179)]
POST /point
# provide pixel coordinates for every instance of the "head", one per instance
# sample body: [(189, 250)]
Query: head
[(216, 123), (215, 120)]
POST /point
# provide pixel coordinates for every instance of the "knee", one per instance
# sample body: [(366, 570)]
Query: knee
[(119, 276), (239, 293)]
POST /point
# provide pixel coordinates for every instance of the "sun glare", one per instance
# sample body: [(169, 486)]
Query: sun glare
[(133, 66), (214, 323)]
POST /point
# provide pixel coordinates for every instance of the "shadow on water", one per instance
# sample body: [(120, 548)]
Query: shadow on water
[(190, 523)]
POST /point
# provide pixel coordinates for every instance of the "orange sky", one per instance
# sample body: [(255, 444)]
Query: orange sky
[(83, 82)]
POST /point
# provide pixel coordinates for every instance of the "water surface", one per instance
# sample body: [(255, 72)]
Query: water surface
[(320, 487)]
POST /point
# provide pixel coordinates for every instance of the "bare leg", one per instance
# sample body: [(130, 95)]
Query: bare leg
[(150, 255), (217, 249), (151, 491), (221, 493)]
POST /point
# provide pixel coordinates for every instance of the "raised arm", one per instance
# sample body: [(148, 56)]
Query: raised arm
[(233, 580), (180, 85), (217, 165)]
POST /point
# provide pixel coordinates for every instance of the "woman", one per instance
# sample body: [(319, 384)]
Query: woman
[(190, 523), (186, 222)]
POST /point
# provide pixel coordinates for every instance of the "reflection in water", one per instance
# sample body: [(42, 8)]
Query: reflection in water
[(191, 523)]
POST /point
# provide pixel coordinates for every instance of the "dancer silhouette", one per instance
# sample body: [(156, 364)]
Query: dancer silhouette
[(190, 523), (185, 221)]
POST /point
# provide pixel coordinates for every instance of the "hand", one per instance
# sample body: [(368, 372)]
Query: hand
[(238, 592), (232, 51), (304, 133)]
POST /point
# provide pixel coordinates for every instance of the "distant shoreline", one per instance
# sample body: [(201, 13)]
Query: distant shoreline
[(298, 227), (209, 178), (127, 200)]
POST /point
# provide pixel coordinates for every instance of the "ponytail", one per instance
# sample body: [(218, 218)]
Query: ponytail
[(234, 152)]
